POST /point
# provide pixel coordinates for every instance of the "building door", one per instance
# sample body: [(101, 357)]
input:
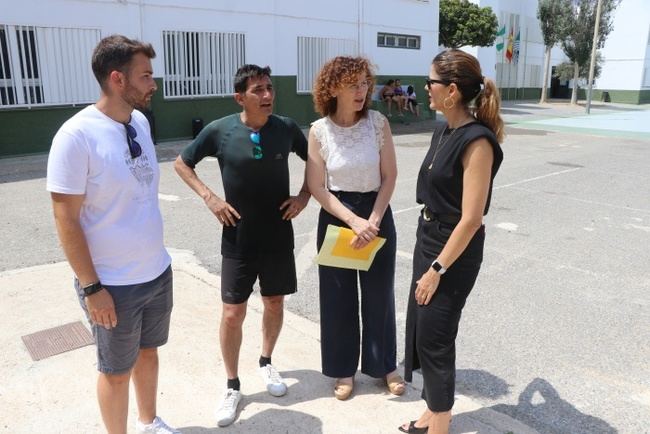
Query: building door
[(559, 89)]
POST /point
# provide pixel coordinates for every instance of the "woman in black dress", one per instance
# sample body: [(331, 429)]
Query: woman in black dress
[(455, 186)]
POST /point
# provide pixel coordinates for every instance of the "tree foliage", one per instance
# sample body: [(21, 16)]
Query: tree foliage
[(464, 23), (565, 71), (554, 20), (579, 40)]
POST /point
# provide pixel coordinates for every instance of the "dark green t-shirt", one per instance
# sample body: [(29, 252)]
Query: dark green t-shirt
[(254, 187)]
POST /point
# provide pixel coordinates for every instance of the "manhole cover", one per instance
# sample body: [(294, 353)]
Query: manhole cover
[(57, 340)]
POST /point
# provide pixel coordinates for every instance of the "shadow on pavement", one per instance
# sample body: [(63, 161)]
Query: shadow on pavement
[(541, 407), (267, 421), (311, 384), (480, 384)]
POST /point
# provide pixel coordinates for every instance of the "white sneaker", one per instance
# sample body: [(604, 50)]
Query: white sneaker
[(274, 384), (158, 426), (227, 410)]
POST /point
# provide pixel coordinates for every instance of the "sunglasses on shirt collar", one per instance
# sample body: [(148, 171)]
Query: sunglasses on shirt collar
[(257, 149), (134, 147)]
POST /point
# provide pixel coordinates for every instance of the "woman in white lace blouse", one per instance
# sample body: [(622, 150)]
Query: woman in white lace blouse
[(351, 172)]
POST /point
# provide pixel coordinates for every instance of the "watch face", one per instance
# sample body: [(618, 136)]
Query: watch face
[(438, 268), (91, 289)]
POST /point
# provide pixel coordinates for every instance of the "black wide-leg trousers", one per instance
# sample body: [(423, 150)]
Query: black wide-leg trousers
[(343, 338)]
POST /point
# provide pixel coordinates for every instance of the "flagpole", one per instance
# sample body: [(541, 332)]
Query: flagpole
[(525, 61), (513, 61), (509, 46), (499, 75)]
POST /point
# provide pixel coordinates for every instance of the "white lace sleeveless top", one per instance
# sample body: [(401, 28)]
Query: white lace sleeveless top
[(351, 154)]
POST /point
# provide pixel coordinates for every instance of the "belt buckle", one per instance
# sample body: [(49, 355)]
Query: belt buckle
[(425, 214)]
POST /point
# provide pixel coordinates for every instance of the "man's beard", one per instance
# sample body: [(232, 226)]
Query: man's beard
[(133, 98)]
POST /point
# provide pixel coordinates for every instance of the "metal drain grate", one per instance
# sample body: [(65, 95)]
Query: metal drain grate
[(57, 340)]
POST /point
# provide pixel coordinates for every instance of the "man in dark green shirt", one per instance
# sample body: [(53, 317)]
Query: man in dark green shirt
[(257, 242)]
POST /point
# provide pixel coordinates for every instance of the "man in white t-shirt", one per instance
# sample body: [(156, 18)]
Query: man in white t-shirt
[(103, 176)]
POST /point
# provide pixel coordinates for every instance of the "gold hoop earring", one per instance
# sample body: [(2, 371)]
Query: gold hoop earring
[(444, 103)]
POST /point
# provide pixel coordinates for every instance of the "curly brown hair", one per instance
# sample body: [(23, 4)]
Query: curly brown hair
[(339, 72)]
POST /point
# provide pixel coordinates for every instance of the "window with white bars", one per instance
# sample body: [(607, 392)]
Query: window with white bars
[(314, 52), (46, 66), (201, 64)]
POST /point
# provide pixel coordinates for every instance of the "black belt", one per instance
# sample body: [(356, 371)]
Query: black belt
[(353, 194), (451, 219)]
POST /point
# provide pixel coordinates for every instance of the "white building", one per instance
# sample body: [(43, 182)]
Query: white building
[(625, 72), (626, 68), (45, 49)]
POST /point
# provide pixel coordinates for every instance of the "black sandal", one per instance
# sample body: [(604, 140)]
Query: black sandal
[(412, 429)]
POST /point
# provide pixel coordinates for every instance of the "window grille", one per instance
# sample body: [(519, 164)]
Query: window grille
[(46, 66), (314, 52), (392, 40), (199, 64)]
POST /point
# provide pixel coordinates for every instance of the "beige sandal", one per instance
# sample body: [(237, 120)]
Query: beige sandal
[(396, 384), (343, 390)]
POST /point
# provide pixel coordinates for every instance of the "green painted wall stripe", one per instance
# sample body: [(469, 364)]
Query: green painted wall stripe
[(28, 131)]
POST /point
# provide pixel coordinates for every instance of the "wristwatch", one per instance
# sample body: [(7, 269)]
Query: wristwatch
[(92, 288), (438, 268)]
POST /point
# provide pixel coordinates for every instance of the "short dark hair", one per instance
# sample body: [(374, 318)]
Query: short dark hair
[(249, 71), (114, 53)]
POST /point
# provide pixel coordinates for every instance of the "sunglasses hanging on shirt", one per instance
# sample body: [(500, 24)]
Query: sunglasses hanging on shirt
[(134, 147), (257, 149)]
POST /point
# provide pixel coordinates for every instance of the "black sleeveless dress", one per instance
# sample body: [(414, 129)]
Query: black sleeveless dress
[(431, 330)]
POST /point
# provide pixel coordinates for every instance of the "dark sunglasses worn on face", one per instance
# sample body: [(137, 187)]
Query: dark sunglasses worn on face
[(257, 149), (432, 81), (134, 147)]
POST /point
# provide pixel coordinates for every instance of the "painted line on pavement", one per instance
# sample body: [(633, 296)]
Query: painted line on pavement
[(407, 209), (537, 178)]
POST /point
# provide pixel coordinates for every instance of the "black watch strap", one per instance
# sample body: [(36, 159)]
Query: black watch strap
[(92, 288)]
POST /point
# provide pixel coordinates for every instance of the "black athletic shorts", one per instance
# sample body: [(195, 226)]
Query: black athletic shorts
[(276, 272)]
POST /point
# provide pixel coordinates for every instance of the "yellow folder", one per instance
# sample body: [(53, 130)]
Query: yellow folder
[(337, 252)]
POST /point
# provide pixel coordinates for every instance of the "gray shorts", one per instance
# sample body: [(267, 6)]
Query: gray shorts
[(143, 314)]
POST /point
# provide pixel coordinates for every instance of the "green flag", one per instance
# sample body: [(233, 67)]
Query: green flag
[(501, 34)]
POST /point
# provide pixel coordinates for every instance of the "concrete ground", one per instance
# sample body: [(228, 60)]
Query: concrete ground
[(56, 395), (554, 335)]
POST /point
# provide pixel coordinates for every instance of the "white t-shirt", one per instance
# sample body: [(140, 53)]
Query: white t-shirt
[(351, 154), (120, 215)]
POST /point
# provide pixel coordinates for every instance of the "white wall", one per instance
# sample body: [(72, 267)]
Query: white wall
[(409, 17), (271, 27), (626, 47)]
